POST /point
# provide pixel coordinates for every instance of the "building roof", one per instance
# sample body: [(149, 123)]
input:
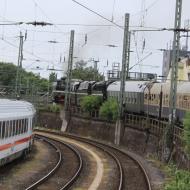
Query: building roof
[(11, 109)]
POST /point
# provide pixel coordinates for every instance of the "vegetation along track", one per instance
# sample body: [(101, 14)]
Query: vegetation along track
[(71, 165), (132, 175)]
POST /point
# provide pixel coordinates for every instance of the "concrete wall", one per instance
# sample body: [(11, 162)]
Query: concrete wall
[(131, 139), (49, 120)]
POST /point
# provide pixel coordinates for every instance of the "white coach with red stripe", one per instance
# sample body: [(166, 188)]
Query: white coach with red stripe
[(16, 124)]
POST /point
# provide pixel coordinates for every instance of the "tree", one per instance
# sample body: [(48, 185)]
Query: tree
[(88, 74), (80, 64), (91, 103), (52, 77), (109, 109), (7, 74), (29, 80)]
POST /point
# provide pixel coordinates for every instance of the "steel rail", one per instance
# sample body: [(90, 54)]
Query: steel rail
[(94, 142), (70, 182), (37, 183), (119, 150)]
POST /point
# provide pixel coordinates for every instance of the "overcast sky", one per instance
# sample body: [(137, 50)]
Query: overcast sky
[(38, 52)]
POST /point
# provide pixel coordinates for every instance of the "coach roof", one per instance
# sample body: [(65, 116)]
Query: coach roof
[(11, 109), (130, 86)]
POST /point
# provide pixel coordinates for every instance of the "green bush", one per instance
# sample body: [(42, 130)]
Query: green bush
[(54, 108), (186, 133), (109, 109), (181, 181), (91, 103)]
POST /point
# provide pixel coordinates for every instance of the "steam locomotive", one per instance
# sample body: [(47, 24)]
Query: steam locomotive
[(148, 97)]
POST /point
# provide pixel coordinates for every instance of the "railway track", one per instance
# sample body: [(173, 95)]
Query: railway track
[(131, 174), (53, 179)]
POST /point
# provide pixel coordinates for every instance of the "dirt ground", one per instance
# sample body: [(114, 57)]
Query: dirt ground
[(24, 171)]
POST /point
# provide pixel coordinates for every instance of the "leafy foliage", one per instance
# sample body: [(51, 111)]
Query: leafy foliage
[(91, 103), (88, 74), (8, 73), (52, 77), (186, 133), (181, 181), (54, 108), (109, 109), (80, 64)]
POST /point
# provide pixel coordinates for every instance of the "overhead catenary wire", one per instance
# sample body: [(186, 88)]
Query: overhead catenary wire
[(96, 13), (13, 45), (36, 4), (147, 8)]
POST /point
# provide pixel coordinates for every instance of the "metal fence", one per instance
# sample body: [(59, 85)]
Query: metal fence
[(156, 127)]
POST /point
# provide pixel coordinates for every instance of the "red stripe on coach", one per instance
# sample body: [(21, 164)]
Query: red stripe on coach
[(7, 146)]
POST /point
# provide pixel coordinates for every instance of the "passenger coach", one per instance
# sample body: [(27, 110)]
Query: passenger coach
[(16, 124)]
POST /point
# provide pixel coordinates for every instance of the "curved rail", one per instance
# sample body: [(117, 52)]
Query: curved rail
[(117, 149), (78, 171), (37, 183), (119, 165), (95, 143)]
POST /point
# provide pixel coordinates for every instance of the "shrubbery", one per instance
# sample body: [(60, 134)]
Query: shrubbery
[(109, 109), (54, 108), (186, 133), (91, 103), (181, 181)]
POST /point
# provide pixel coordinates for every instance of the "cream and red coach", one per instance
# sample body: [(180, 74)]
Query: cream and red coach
[(16, 124)]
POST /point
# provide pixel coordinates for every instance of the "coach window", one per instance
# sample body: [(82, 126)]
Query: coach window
[(17, 127), (10, 128), (13, 128), (26, 123), (13, 125), (1, 129), (21, 125), (6, 129)]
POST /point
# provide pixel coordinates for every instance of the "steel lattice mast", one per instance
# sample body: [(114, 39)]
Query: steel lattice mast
[(69, 71), (174, 70), (124, 74)]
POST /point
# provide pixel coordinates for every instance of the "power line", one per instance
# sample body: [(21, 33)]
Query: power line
[(36, 4), (146, 9), (8, 24), (24, 50), (96, 13)]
